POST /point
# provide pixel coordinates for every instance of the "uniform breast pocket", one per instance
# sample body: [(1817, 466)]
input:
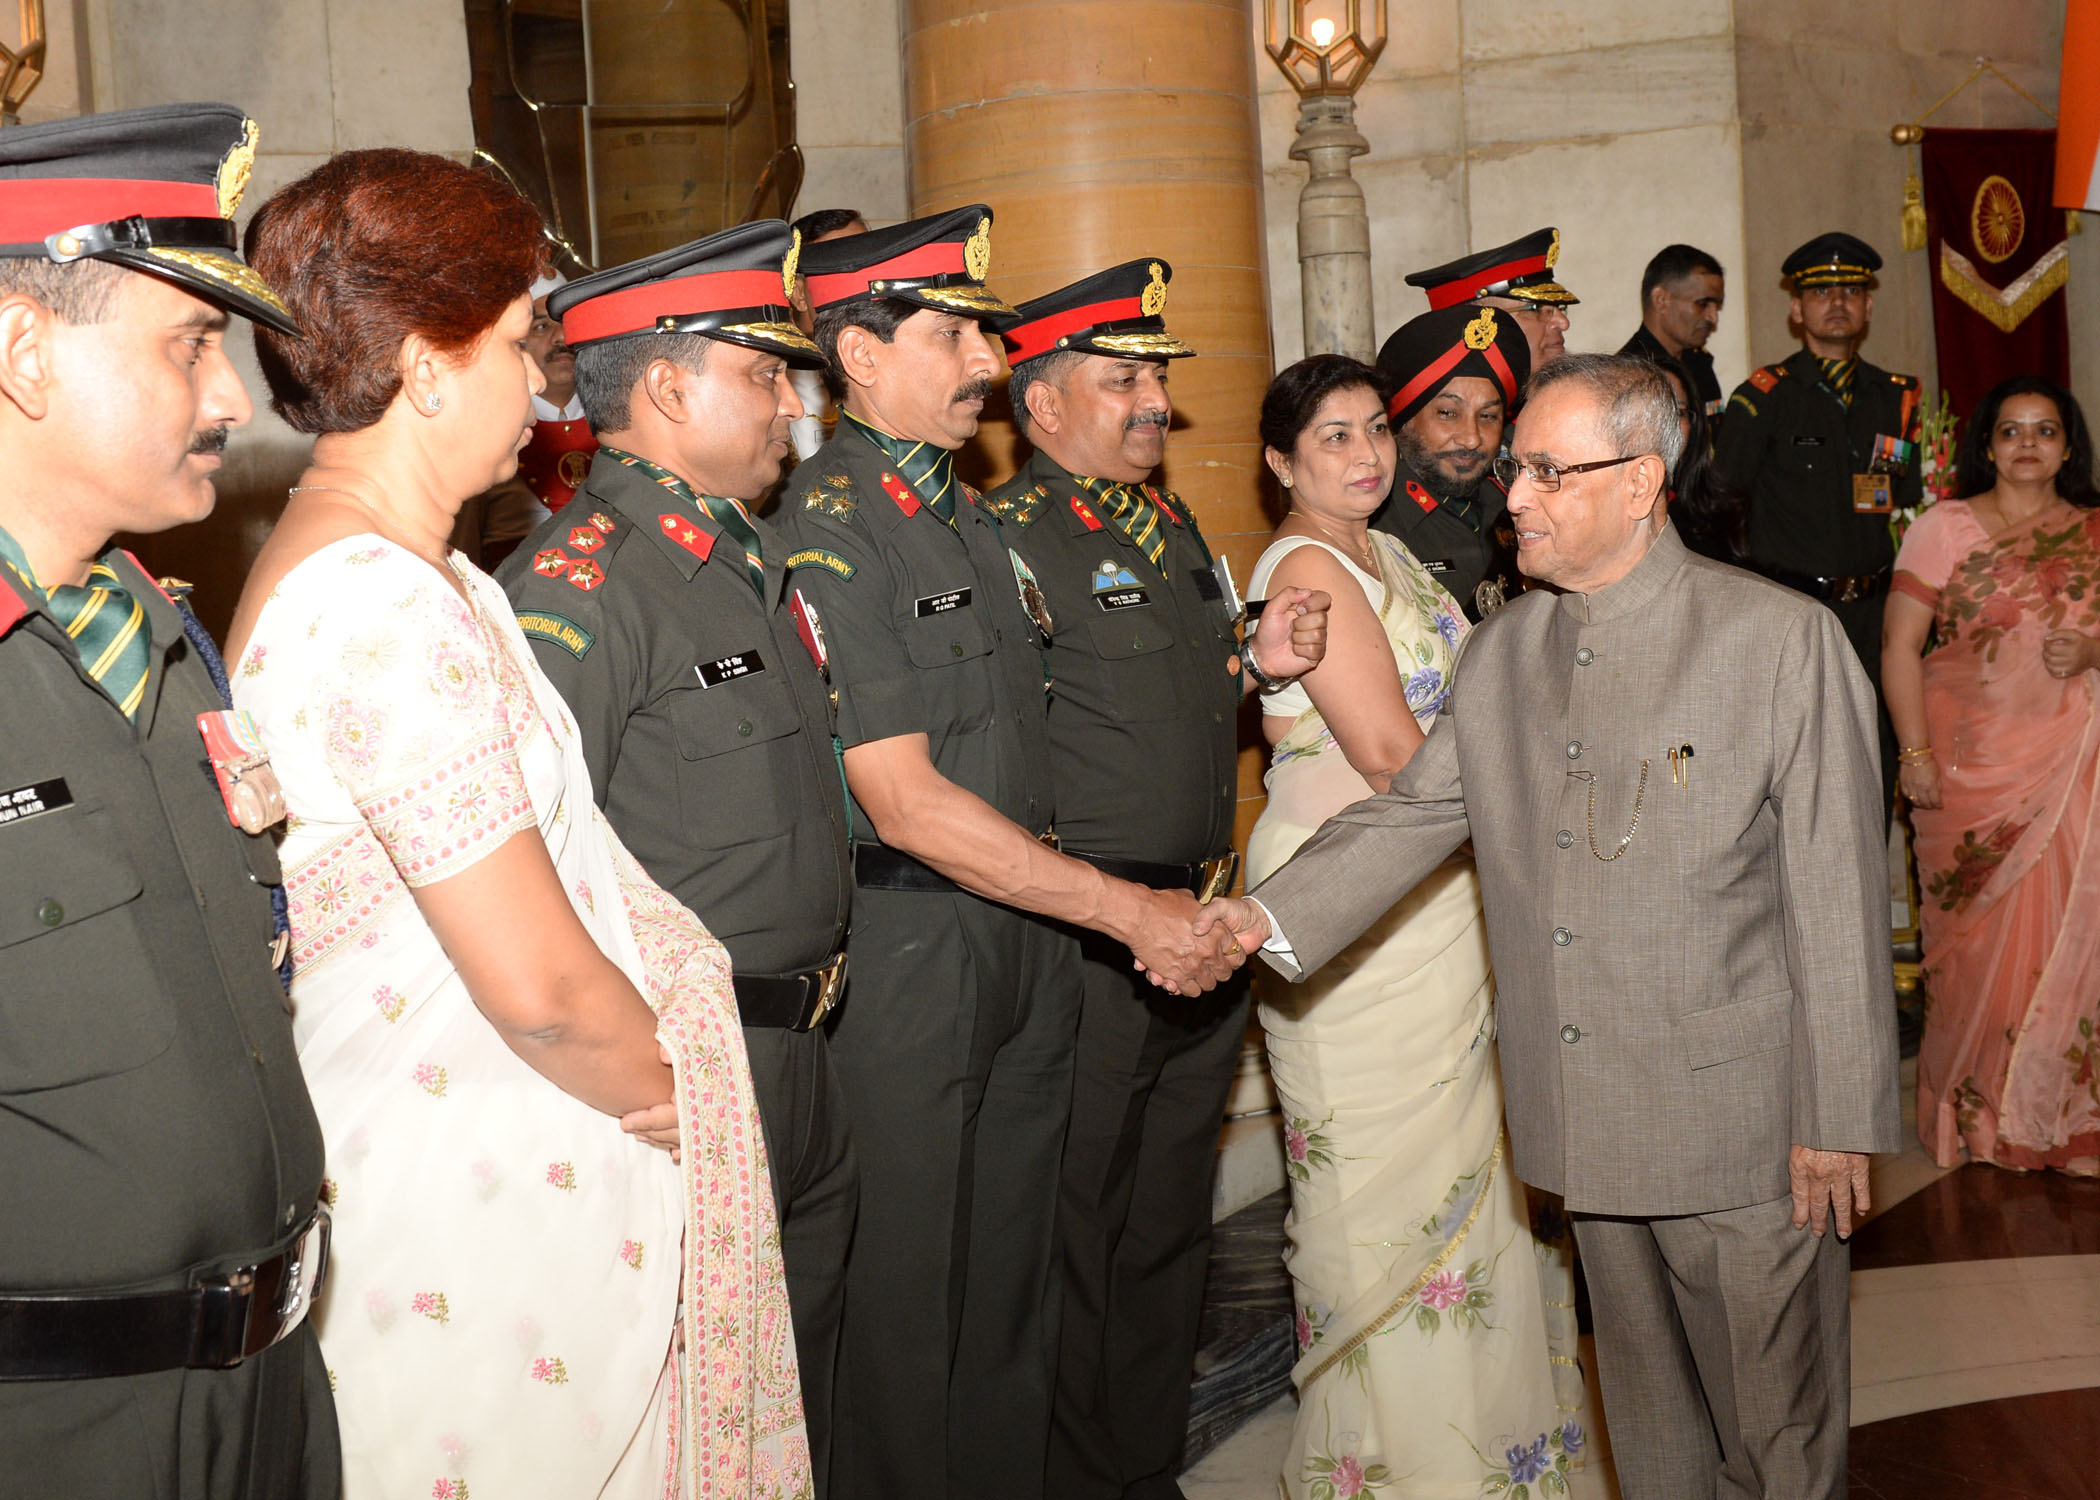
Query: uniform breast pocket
[(732, 787), (1137, 646), (952, 646), (81, 998)]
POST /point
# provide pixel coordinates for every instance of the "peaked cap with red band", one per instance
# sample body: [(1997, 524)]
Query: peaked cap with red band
[(153, 190), (731, 286), (1114, 312), (1424, 356), (938, 262), (1522, 269)]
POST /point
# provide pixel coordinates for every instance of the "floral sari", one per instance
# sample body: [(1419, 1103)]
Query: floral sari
[(2009, 866)]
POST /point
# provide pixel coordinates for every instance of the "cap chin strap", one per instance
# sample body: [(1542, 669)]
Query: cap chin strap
[(135, 233)]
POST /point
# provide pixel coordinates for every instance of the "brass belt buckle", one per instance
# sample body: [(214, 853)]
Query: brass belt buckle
[(831, 978), (1218, 875)]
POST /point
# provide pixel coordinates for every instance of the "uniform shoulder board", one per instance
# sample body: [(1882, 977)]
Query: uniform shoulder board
[(833, 494), (1908, 382), (1767, 376), (175, 588), (579, 553), (1017, 509)]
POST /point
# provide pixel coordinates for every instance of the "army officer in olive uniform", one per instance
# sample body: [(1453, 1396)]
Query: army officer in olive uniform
[(1145, 685), (657, 604), (955, 1051), (160, 1163)]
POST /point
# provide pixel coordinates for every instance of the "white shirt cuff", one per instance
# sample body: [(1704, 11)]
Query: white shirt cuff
[(1277, 943)]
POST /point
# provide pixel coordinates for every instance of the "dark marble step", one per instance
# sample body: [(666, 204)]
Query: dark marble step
[(1245, 1348)]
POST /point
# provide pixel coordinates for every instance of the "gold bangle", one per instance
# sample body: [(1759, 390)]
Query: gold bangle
[(1917, 753)]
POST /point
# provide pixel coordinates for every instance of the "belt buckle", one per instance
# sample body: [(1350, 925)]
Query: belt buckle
[(830, 979), (1218, 875), (306, 1271)]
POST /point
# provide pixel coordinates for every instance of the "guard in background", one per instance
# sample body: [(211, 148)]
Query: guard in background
[(657, 604), (1145, 686), (956, 1051), (1518, 278), (558, 453), (1456, 375), (1825, 446), (161, 1239)]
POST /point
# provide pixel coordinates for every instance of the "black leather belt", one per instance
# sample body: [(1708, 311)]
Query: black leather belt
[(1835, 590), (212, 1324), (878, 867), (798, 1002), (1203, 879)]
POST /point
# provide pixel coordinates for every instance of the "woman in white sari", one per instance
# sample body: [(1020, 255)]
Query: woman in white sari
[(1424, 1368), (486, 986)]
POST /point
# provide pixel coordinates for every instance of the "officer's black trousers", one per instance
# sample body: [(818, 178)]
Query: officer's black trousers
[(816, 1191), (1134, 1225), (954, 1051)]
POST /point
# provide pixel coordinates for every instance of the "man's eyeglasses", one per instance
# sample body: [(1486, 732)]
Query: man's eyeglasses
[(1545, 478)]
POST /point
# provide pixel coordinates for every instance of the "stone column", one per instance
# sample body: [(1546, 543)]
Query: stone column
[(1100, 131), (1334, 230)]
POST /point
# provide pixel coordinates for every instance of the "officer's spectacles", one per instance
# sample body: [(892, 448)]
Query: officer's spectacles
[(1545, 478)]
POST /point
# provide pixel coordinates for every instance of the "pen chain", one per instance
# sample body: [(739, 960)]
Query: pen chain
[(1640, 796)]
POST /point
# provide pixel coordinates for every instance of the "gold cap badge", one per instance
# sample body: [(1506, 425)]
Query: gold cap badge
[(1553, 251), (1154, 300), (1481, 331), (234, 167), (792, 266), (977, 251)]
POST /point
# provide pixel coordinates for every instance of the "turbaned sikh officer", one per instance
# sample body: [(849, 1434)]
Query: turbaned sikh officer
[(955, 1050), (657, 604), (1145, 686), (160, 1164)]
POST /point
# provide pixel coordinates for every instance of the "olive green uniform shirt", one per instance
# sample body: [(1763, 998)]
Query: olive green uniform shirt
[(1469, 546)]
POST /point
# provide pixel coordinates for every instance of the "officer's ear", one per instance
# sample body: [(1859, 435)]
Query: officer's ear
[(856, 355), (27, 328), (664, 386), (1046, 407)]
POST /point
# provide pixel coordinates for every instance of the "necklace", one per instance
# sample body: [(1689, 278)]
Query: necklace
[(2006, 520), (1369, 554)]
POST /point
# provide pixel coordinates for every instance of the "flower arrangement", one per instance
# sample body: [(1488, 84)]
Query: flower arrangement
[(1939, 432)]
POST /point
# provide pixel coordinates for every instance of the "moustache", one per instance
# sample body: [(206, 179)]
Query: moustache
[(1461, 458), (973, 390), (211, 440), (1157, 419)]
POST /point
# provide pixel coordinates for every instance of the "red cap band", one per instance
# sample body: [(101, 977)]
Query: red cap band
[(1451, 293), (32, 208), (1040, 335), (942, 258), (635, 309), (1442, 366)]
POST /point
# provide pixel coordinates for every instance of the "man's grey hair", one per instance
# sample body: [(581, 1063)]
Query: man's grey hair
[(1044, 367), (607, 372), (1638, 408)]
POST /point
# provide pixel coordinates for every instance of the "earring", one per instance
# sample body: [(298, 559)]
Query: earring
[(1286, 481), (433, 401)]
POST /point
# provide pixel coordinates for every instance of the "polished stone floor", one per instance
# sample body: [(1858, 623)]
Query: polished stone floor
[(1976, 1345)]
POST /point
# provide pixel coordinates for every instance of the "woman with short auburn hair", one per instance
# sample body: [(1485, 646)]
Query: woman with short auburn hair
[(488, 990)]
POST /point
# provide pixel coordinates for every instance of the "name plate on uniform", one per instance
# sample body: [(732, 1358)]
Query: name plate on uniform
[(728, 668), (1872, 494), (941, 604), (1122, 598), (38, 797), (1808, 440), (1435, 567)]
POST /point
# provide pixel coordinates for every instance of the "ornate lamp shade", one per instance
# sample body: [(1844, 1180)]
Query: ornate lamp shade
[(1323, 46), (22, 68)]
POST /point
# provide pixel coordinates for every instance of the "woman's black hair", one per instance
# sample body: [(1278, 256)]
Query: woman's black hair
[(1710, 514), (1294, 396), (1975, 473)]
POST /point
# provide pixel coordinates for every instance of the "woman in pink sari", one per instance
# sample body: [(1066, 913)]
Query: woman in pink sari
[(2000, 721)]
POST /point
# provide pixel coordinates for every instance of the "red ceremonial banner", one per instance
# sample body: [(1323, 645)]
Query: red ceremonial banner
[(1999, 260)]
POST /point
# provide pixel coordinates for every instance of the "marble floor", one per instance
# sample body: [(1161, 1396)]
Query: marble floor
[(1975, 1341)]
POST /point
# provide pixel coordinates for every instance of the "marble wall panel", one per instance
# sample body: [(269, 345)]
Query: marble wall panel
[(1496, 29), (1569, 96)]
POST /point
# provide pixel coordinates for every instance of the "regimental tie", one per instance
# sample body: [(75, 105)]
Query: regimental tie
[(1134, 515), (107, 625), (728, 514), (930, 471), (1838, 373)]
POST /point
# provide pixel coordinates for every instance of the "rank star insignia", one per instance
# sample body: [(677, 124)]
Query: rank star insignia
[(603, 522), (586, 539), (895, 487), (685, 534), (586, 574), (833, 495), (550, 564)]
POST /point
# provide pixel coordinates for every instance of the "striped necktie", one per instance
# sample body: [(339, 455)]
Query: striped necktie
[(729, 515), (107, 627), (930, 471), (1838, 373), (1135, 516)]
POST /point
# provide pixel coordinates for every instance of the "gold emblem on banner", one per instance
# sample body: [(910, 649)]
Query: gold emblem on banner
[(1553, 251), (1481, 331), (1997, 220), (234, 167), (790, 267), (1154, 301), (977, 251)]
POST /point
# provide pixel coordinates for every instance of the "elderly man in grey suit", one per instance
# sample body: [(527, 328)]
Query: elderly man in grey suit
[(1668, 771)]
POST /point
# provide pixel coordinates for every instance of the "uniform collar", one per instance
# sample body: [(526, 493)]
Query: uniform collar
[(1637, 590), (645, 504)]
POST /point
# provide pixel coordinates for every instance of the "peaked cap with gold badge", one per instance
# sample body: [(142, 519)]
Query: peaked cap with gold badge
[(1114, 312), (731, 286), (1834, 259), (1423, 355), (153, 190), (938, 262), (1523, 269)]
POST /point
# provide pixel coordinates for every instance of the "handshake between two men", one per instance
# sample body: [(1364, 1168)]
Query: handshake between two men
[(1196, 950)]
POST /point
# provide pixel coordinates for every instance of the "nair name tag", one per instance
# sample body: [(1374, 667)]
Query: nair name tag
[(1122, 598), (1436, 567), (941, 604), (728, 668), (29, 801)]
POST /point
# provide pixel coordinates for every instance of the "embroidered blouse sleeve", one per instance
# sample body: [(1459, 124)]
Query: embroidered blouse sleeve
[(412, 719)]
